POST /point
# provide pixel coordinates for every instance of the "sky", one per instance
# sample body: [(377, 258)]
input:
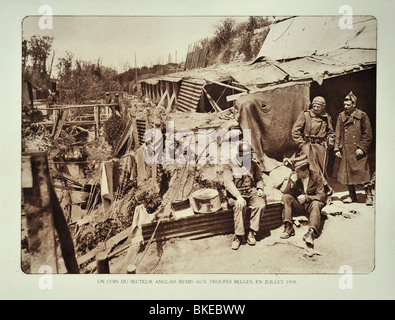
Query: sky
[(117, 40)]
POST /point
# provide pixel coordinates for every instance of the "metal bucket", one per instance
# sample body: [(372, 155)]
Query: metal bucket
[(205, 201)]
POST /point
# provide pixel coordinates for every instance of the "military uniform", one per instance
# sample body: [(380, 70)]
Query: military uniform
[(311, 133), (246, 186), (352, 132)]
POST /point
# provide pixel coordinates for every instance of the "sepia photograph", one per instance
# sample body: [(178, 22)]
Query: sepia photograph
[(197, 154), (193, 145)]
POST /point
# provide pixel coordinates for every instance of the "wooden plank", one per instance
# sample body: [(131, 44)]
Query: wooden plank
[(227, 85), (62, 121), (125, 135), (189, 95), (110, 245), (188, 105), (162, 98), (188, 100), (176, 91), (171, 102), (212, 102), (193, 81), (55, 116), (97, 120), (185, 108), (234, 97), (78, 106), (186, 92), (27, 176), (192, 85), (69, 123), (65, 240), (136, 138), (201, 103)]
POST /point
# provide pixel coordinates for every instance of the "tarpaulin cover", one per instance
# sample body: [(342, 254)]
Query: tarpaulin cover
[(270, 115)]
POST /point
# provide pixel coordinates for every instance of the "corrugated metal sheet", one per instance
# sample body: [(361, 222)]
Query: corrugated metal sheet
[(208, 224), (189, 95), (141, 128)]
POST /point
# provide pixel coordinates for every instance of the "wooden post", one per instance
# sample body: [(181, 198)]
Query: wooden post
[(168, 94), (65, 240), (102, 262), (176, 90), (171, 102), (135, 132), (212, 102), (96, 113), (227, 85), (99, 116), (38, 210), (131, 269), (44, 215), (59, 126), (55, 121)]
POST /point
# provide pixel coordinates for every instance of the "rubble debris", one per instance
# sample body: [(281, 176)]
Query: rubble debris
[(113, 130)]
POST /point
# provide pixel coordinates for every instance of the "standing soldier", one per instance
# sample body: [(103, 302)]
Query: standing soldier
[(353, 138), (51, 100), (108, 98), (313, 133), (108, 101), (116, 102)]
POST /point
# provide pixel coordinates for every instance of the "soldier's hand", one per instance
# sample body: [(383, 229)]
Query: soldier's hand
[(338, 154), (301, 199), (240, 203), (359, 152), (294, 177), (331, 142)]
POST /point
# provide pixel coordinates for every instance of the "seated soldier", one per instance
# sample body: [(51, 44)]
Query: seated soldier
[(304, 194), (245, 187)]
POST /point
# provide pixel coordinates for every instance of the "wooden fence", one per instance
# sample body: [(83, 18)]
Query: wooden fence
[(197, 55)]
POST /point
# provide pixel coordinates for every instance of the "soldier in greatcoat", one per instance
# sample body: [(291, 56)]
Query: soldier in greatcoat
[(313, 133), (353, 139)]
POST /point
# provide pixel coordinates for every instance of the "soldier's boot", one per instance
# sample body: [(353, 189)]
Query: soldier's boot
[(369, 196), (352, 195)]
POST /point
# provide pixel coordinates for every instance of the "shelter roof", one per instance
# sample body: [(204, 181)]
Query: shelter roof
[(308, 36), (299, 48)]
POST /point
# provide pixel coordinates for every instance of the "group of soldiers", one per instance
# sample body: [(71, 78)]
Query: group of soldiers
[(114, 101), (307, 188)]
